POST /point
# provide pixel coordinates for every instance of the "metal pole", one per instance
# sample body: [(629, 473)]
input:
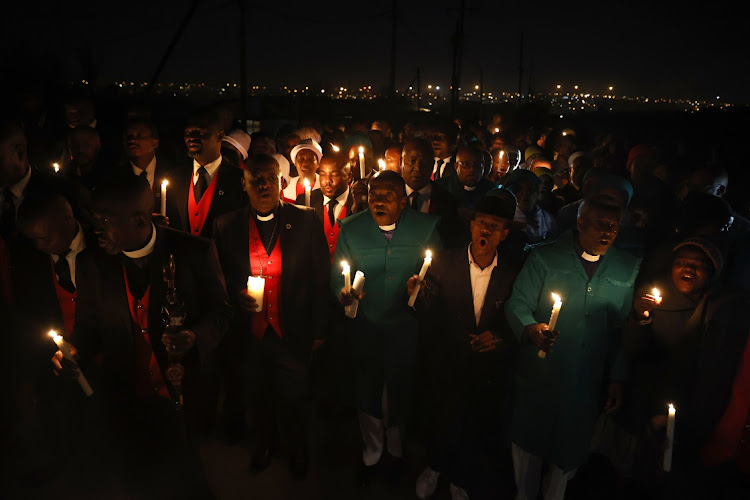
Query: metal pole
[(419, 91), (172, 44), (392, 76), (243, 67)]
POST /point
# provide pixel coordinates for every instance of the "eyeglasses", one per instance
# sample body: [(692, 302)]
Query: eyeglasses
[(473, 165)]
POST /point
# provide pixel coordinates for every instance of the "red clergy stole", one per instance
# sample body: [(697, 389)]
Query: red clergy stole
[(300, 186), (197, 212), (731, 439), (67, 301), (271, 270), (332, 233), (148, 377)]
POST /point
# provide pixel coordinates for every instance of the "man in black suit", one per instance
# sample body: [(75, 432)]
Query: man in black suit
[(464, 291), (425, 195), (197, 195), (283, 244), (333, 201), (120, 331), (467, 184)]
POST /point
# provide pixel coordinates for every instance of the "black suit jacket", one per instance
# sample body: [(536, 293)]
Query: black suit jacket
[(316, 203), (304, 272), (228, 196), (446, 308), (451, 231), (103, 322)]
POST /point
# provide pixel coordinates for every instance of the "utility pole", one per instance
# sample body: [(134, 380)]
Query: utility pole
[(243, 67), (520, 71), (481, 91), (172, 44), (392, 76), (419, 91), (457, 40)]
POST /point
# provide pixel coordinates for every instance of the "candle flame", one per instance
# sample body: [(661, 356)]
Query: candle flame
[(345, 265), (164, 183), (655, 293), (361, 150), (556, 297), (52, 333), (428, 254), (307, 184), (381, 164), (57, 167), (335, 148), (501, 154)]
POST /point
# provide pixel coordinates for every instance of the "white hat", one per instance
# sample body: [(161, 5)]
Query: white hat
[(575, 156), (283, 165), (310, 144), (240, 140)]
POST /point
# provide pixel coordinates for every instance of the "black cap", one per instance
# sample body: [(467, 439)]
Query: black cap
[(497, 206)]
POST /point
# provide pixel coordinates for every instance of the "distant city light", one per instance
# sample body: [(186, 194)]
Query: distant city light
[(559, 86)]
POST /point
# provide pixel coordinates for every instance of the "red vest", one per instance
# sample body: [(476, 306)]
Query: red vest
[(271, 313), (300, 187), (332, 233), (67, 301), (731, 438), (197, 212), (148, 378)]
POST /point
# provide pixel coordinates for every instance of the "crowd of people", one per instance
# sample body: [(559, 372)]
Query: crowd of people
[(520, 294)]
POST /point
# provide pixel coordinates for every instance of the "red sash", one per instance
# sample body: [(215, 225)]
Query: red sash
[(271, 313), (332, 233), (300, 187), (67, 301), (197, 212), (148, 378)]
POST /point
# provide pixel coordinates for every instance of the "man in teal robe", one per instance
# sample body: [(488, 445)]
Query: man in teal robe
[(388, 244), (557, 397)]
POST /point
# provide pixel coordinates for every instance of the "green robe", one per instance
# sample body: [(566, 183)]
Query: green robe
[(557, 399), (384, 332)]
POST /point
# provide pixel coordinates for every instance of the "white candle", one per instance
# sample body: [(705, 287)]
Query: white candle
[(422, 273), (307, 193), (56, 166), (65, 349), (347, 272), (358, 286), (656, 296), (164, 197), (361, 162), (670, 438), (335, 148), (381, 164), (552, 319), (256, 286)]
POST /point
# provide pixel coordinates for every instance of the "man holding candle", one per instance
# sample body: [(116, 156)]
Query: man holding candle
[(120, 327), (557, 397), (211, 187), (387, 243), (473, 350), (270, 347)]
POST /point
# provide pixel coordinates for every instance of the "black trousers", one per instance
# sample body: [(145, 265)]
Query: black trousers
[(277, 388)]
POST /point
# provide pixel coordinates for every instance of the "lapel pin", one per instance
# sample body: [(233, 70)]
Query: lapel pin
[(288, 226), (221, 192)]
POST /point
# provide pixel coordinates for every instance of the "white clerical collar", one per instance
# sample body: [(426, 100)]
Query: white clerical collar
[(18, 188), (469, 188), (265, 218), (390, 227), (137, 254), (590, 258), (341, 199)]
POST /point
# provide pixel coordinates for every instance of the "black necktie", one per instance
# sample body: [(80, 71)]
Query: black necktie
[(201, 184), (331, 209), (438, 168), (143, 174), (8, 215), (415, 200), (62, 270)]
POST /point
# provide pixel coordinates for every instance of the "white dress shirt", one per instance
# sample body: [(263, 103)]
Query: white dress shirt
[(17, 190), (440, 163), (291, 190), (341, 202), (150, 171), (424, 197), (77, 246), (210, 168), (480, 280)]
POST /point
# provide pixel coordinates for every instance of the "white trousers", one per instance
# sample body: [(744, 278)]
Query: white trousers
[(375, 433), (527, 470)]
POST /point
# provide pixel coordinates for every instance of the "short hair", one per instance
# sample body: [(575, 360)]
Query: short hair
[(338, 159), (82, 131), (601, 205), (389, 177), (206, 117), (260, 160), (308, 133), (41, 205), (126, 189), (10, 127), (140, 121), (420, 144)]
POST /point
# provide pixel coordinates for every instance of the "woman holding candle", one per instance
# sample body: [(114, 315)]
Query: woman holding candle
[(306, 158)]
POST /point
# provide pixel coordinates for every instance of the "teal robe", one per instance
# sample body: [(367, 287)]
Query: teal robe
[(557, 399), (384, 333)]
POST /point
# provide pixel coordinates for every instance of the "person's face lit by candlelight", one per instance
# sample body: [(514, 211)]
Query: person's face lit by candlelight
[(393, 159), (333, 177), (261, 180), (386, 199), (416, 166), (598, 226), (691, 271)]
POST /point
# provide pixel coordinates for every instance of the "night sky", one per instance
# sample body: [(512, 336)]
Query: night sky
[(670, 50)]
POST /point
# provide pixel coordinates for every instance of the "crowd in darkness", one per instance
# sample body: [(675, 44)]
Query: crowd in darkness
[(576, 286)]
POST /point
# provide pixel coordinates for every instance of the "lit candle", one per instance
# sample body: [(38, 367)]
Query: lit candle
[(670, 438), (256, 286), (65, 349), (347, 272), (552, 319), (56, 166), (307, 193), (361, 162), (422, 273), (358, 286), (164, 197), (656, 296), (335, 148), (381, 164)]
